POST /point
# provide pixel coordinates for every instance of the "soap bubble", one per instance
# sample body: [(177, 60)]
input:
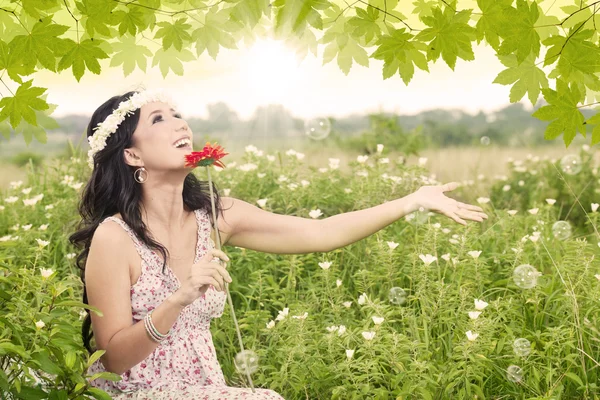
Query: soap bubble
[(522, 347), (525, 276), (246, 359), (317, 128), (514, 373), (561, 230), (397, 296), (485, 140), (571, 164), (419, 217)]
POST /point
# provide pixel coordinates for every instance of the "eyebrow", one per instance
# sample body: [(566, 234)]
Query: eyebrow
[(157, 111)]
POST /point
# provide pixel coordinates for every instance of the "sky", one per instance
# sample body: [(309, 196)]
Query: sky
[(267, 72)]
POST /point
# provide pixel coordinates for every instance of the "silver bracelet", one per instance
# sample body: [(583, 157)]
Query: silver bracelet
[(151, 329)]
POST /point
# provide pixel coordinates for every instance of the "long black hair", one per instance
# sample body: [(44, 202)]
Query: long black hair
[(112, 189)]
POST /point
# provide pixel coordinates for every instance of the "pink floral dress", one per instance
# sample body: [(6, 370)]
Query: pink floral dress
[(183, 366)]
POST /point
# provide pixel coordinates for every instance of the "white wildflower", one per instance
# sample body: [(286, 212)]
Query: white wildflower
[(332, 328), (512, 212), (533, 211), (325, 264), (315, 213), (261, 202), (338, 282), (368, 335), (362, 299), (349, 354), (379, 148), (422, 161), (506, 188), (11, 199), (341, 330), (472, 335), (377, 320), (595, 207), (483, 200), (347, 304), (427, 258), (40, 324), (27, 227), (362, 159), (475, 254), (303, 316), (392, 245), (474, 314), (270, 324), (42, 243), (282, 314), (46, 272), (446, 256), (480, 304)]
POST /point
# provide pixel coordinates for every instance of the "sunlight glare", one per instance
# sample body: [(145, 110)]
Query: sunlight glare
[(272, 71)]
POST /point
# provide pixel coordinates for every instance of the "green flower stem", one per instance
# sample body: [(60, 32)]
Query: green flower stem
[(218, 237)]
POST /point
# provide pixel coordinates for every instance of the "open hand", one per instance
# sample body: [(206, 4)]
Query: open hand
[(433, 198)]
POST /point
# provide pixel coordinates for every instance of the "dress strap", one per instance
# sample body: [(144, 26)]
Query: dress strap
[(139, 246)]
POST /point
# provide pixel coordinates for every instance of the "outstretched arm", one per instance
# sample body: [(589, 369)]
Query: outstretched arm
[(256, 229)]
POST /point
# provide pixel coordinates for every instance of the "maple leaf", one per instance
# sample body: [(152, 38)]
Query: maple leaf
[(518, 32), (399, 54), (364, 24), (42, 44), (528, 77), (174, 34), (293, 15), (98, 15), (449, 36), (13, 65), (81, 55), (171, 60), (128, 53), (562, 111), (23, 104)]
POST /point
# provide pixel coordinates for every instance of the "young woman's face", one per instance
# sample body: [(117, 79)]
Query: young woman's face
[(159, 129)]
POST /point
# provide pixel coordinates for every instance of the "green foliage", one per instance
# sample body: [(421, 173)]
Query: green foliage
[(420, 349), (25, 157), (80, 34)]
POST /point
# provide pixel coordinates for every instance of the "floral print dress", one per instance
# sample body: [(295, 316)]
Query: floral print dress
[(184, 365)]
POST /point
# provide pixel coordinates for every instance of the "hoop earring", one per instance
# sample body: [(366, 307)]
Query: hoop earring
[(137, 175)]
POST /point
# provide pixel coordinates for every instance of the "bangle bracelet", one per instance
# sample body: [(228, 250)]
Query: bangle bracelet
[(151, 329)]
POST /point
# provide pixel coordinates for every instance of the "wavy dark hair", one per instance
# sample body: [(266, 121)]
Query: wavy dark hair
[(112, 189)]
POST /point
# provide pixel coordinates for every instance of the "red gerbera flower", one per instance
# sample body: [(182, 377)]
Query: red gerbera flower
[(211, 154)]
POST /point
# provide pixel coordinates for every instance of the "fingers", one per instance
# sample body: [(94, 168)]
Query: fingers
[(450, 186), (470, 207), (217, 253), (456, 218)]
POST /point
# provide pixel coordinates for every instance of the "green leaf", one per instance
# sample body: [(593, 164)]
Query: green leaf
[(575, 53), (10, 348), (82, 55), (574, 378), (12, 64), (211, 36), (365, 24), (30, 393), (42, 45), (171, 60), (449, 35), (492, 18), (562, 109), (98, 15), (294, 15), (528, 77), (22, 104), (595, 120), (346, 50), (129, 54), (249, 12), (174, 34), (137, 18), (80, 304), (399, 54), (518, 31), (99, 394), (44, 121), (46, 364), (32, 7), (94, 357)]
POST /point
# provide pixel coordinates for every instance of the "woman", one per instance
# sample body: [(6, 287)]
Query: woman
[(149, 256)]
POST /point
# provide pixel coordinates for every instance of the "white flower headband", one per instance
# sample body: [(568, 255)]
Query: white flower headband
[(111, 123)]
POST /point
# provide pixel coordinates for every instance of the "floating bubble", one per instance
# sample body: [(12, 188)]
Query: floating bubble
[(246, 360), (485, 140), (317, 128), (397, 296), (525, 276), (419, 217), (514, 373), (571, 164), (561, 230), (522, 347)]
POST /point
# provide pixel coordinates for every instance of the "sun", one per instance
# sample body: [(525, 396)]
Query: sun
[(272, 70)]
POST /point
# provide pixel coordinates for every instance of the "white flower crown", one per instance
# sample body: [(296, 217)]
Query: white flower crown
[(111, 123)]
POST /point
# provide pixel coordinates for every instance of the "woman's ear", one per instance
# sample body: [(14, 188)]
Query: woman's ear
[(131, 158)]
